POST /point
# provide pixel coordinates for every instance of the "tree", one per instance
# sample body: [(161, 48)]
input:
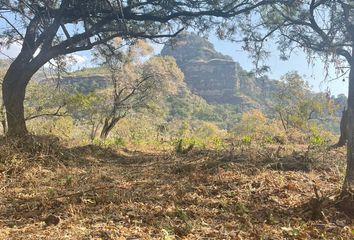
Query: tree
[(54, 28), (43, 99), (89, 108), (135, 84), (343, 138), (322, 28), (295, 104)]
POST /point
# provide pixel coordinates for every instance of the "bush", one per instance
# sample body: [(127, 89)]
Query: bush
[(62, 127), (254, 126)]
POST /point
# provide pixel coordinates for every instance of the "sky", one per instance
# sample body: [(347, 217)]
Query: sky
[(314, 73)]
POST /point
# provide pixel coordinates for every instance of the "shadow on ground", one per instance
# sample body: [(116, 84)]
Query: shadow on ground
[(104, 193)]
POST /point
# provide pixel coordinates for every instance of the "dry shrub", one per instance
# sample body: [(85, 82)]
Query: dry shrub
[(255, 126), (62, 127), (29, 148), (296, 136)]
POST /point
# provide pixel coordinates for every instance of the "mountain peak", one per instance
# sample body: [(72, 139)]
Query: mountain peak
[(188, 47), (210, 74)]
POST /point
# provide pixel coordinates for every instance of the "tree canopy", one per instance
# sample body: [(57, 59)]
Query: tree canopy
[(48, 30)]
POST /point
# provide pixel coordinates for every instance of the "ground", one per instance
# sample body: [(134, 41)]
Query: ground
[(48, 191)]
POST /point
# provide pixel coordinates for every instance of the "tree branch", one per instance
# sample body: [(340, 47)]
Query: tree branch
[(55, 114)]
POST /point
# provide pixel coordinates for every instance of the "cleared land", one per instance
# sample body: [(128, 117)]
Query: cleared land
[(48, 191)]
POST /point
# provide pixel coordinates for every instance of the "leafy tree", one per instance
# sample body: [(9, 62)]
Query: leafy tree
[(89, 108), (295, 104), (322, 28), (136, 84), (52, 29), (43, 100), (252, 123)]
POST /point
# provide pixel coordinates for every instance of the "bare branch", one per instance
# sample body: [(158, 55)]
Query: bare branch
[(57, 113)]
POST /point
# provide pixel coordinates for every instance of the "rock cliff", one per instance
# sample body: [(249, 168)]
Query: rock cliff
[(214, 76)]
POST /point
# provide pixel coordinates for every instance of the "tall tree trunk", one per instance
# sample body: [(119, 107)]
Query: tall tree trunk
[(347, 203), (349, 178), (14, 88)]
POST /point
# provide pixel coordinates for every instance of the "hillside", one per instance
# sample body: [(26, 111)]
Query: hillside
[(216, 77), (220, 80)]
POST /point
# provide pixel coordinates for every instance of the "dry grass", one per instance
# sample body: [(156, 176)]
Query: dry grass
[(106, 194)]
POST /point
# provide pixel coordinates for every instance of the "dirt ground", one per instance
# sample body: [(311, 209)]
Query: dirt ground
[(90, 192)]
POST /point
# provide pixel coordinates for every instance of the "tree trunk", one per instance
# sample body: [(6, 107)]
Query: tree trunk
[(3, 119), (108, 125), (4, 126), (94, 130), (347, 202), (343, 130), (14, 88)]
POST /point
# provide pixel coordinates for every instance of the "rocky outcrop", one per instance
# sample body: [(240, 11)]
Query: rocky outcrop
[(208, 73)]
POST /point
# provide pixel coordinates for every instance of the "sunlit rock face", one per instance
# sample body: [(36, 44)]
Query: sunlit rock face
[(208, 73)]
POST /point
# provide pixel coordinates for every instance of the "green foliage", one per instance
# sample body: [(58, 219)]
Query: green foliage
[(296, 105), (269, 139), (253, 124), (184, 129), (319, 137), (63, 127), (45, 98), (247, 140), (185, 145), (317, 140), (135, 86), (87, 107), (111, 142)]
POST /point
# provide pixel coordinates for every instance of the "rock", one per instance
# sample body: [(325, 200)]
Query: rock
[(52, 220), (215, 77)]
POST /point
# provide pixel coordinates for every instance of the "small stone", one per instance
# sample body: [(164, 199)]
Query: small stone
[(51, 220)]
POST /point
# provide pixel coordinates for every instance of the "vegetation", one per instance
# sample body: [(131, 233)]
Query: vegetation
[(171, 171), (55, 29), (128, 149), (323, 29), (296, 105)]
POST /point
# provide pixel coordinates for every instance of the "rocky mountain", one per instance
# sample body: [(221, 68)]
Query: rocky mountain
[(216, 77)]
